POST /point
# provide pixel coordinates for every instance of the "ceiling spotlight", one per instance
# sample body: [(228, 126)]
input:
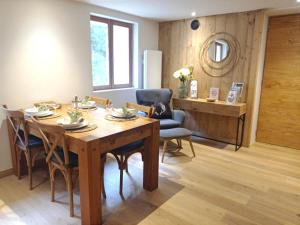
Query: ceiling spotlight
[(194, 13)]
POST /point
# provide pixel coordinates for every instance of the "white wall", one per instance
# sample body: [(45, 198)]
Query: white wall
[(45, 55)]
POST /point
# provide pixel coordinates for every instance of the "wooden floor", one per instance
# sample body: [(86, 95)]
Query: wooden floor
[(259, 185)]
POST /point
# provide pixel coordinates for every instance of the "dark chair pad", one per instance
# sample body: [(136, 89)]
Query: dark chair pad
[(175, 133), (73, 158), (128, 148), (168, 124), (33, 141)]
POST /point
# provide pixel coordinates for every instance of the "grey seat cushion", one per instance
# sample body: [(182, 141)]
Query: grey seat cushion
[(168, 123), (175, 133)]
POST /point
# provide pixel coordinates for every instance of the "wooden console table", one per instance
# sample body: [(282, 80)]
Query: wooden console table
[(237, 111)]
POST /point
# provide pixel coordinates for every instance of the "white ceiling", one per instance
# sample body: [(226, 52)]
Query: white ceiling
[(162, 10)]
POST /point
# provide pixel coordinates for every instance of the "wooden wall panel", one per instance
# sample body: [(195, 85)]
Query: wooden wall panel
[(181, 46), (279, 116)]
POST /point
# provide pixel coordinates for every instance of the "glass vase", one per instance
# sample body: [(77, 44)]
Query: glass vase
[(182, 90)]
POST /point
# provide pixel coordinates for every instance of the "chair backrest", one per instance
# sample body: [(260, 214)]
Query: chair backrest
[(18, 124), (151, 96), (101, 101), (53, 137), (145, 109)]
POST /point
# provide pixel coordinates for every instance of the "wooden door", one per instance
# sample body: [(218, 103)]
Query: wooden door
[(279, 116)]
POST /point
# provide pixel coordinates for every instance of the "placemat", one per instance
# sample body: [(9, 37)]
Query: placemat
[(90, 127), (111, 118)]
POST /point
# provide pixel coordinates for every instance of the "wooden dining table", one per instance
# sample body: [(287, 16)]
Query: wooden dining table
[(91, 144)]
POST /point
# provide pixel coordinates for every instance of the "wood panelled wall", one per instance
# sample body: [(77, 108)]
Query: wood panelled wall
[(181, 46), (279, 116)]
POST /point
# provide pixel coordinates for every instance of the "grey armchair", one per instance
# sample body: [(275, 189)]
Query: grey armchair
[(150, 97)]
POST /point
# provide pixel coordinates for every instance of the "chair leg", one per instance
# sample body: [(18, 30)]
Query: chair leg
[(29, 167), (102, 172), (164, 150), (52, 182), (179, 143), (70, 191), (192, 147), (19, 163), (121, 167), (126, 166)]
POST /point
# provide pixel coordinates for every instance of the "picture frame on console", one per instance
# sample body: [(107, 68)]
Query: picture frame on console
[(238, 87), (214, 93), (194, 89), (232, 97)]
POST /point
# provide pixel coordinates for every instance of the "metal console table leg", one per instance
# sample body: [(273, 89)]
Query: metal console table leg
[(239, 134), (239, 139)]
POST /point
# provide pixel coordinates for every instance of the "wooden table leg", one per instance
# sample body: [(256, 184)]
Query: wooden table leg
[(90, 184), (151, 159)]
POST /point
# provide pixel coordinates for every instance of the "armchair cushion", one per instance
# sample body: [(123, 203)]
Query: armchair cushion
[(157, 98), (178, 115)]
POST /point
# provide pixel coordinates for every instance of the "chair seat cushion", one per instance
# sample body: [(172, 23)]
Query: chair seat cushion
[(168, 123), (33, 141), (175, 133), (128, 148), (73, 158)]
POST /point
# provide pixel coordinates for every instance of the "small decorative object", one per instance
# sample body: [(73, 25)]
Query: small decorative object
[(214, 93), (210, 99), (50, 104), (75, 116), (184, 75), (86, 99), (124, 112), (87, 103), (194, 89), (42, 108), (195, 24), (231, 97), (238, 87)]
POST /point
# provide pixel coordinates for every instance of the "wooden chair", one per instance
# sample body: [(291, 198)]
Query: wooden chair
[(123, 153), (101, 101), (58, 157), (30, 145)]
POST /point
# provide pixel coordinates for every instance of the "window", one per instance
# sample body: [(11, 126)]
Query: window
[(111, 44)]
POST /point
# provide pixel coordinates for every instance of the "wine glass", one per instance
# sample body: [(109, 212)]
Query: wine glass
[(54, 106), (109, 108)]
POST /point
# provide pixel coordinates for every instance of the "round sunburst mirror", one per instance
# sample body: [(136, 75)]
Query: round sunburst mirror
[(219, 54)]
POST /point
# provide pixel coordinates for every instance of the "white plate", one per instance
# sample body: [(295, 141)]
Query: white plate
[(34, 112), (71, 126), (87, 105), (118, 113)]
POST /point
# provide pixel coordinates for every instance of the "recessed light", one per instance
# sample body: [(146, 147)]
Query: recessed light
[(194, 13), (298, 0)]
